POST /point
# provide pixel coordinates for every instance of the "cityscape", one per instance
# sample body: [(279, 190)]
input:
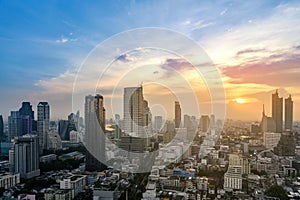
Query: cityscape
[(150, 100), (187, 158)]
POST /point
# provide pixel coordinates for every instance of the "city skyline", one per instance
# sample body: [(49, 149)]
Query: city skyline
[(255, 66)]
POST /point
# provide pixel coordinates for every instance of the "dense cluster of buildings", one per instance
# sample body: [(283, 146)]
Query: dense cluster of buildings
[(187, 158)]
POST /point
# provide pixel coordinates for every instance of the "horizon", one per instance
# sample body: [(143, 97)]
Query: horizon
[(41, 63)]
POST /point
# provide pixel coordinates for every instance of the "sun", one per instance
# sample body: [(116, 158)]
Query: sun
[(240, 100)]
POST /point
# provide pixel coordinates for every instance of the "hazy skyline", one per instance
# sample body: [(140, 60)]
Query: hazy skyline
[(255, 46)]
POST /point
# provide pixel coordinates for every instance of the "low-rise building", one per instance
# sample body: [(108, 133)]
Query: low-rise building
[(48, 158), (76, 183), (8, 180)]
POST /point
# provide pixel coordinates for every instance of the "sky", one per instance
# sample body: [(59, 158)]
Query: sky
[(254, 45)]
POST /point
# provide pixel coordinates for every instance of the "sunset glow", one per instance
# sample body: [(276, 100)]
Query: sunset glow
[(240, 100)]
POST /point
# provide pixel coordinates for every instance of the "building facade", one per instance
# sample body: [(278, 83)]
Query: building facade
[(95, 135), (24, 156), (277, 111), (43, 123), (288, 113), (134, 111), (177, 114)]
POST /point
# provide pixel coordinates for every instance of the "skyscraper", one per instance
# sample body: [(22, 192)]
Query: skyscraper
[(212, 121), (204, 123), (134, 111), (1, 128), (95, 135), (177, 114), (27, 117), (43, 123), (24, 156), (14, 125), (158, 121), (147, 118), (277, 113), (288, 113), (267, 124)]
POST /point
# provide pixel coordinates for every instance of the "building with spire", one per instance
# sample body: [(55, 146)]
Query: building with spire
[(267, 123)]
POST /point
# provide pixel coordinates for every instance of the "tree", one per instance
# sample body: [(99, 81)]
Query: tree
[(277, 191)]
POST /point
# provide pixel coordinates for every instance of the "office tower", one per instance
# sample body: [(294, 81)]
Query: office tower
[(134, 111), (158, 121), (204, 123), (132, 144), (177, 114), (26, 109), (212, 121), (267, 124), (147, 117), (72, 119), (77, 120), (14, 125), (277, 107), (24, 156), (95, 135), (286, 145), (271, 140), (288, 113), (66, 126), (1, 128), (63, 129), (100, 110), (43, 122), (27, 117), (238, 165)]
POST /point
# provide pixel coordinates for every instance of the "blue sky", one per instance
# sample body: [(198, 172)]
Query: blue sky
[(42, 42)]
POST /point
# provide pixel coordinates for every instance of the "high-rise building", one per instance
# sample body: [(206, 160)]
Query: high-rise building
[(286, 145), (177, 114), (24, 156), (66, 126), (1, 128), (27, 117), (134, 111), (43, 123), (267, 123), (238, 165), (147, 118), (288, 113), (277, 111), (204, 123), (63, 129), (158, 121), (14, 125), (95, 132), (212, 121), (271, 140)]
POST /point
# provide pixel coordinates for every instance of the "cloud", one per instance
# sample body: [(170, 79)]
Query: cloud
[(172, 66), (283, 72), (63, 83), (276, 31), (64, 39), (247, 51), (196, 25), (223, 12), (126, 58)]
